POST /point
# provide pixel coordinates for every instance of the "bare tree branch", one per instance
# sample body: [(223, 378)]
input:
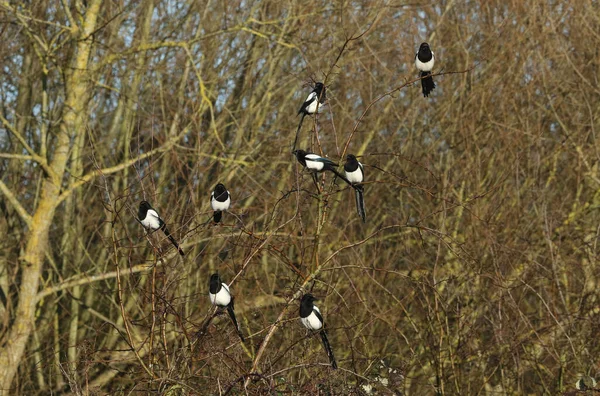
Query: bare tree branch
[(26, 217)]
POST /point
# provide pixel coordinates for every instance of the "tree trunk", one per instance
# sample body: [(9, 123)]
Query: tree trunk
[(13, 346)]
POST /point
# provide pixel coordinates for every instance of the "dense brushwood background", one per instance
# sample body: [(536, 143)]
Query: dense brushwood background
[(476, 272)]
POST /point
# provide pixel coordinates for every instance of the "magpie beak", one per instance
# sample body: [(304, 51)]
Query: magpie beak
[(355, 174), (311, 318), (221, 297), (220, 200), (152, 221), (314, 100), (424, 60)]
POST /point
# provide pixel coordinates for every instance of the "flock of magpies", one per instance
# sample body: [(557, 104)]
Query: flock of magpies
[(310, 316)]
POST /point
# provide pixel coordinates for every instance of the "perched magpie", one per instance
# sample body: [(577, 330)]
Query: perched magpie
[(221, 297), (424, 61), (219, 201), (152, 221), (313, 101), (316, 163), (311, 318), (355, 173)]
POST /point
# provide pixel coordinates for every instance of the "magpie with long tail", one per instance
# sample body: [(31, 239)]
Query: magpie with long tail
[(221, 297), (220, 200), (355, 173), (315, 99), (311, 318), (152, 221), (315, 163), (424, 60)]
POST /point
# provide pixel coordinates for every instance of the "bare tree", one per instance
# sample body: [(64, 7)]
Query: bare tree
[(475, 272)]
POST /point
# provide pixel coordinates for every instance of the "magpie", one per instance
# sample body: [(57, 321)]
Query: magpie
[(311, 318), (313, 101), (424, 61), (316, 163), (221, 297), (219, 201), (152, 221), (355, 174)]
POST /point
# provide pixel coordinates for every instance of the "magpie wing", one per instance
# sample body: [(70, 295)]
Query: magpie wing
[(318, 314), (309, 99), (317, 158)]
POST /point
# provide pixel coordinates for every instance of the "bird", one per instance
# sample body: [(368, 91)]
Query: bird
[(355, 174), (424, 60), (220, 199), (221, 297), (311, 318), (314, 100), (316, 163), (152, 221)]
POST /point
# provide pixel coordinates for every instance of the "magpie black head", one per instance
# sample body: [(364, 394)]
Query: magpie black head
[(306, 305), (424, 53), (351, 163), (220, 192), (320, 91), (308, 299), (143, 210), (215, 283), (301, 156)]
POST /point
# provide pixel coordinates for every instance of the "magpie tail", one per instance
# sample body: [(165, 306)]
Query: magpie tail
[(298, 132), (173, 241), (234, 320), (217, 215), (360, 202), (427, 83), (328, 349)]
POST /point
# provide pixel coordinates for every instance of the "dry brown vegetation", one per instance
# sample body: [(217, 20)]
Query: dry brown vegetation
[(476, 272)]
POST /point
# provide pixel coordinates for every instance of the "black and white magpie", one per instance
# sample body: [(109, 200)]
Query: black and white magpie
[(355, 174), (311, 318), (220, 200), (313, 101), (221, 297), (315, 163), (152, 221), (424, 60)]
